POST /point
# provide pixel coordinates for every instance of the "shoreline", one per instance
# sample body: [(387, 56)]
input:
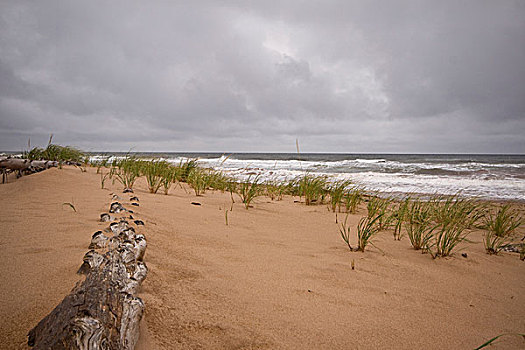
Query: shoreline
[(277, 276)]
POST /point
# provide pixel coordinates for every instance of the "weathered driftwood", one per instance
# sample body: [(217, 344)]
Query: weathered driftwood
[(23, 165), (105, 217), (101, 312), (116, 207), (15, 163)]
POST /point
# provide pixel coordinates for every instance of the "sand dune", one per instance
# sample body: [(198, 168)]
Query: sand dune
[(277, 277)]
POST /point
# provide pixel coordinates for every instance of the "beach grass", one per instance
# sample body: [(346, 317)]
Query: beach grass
[(313, 188), (154, 172), (197, 179), (248, 190), (127, 170), (57, 153), (448, 235), (344, 229), (352, 198), (337, 191), (366, 230), (418, 225), (379, 207), (500, 228), (399, 216)]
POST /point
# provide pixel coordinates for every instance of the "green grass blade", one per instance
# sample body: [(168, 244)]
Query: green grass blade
[(488, 342)]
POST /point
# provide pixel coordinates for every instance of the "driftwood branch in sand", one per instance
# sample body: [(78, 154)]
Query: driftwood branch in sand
[(23, 165), (101, 312)]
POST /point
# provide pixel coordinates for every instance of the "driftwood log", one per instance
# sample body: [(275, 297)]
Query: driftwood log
[(23, 166), (103, 311)]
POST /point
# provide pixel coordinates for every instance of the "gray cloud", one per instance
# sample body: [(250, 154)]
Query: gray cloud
[(342, 76)]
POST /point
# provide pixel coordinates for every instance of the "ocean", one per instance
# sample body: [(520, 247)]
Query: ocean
[(500, 177)]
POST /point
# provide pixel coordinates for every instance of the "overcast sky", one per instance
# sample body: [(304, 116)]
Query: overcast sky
[(233, 76)]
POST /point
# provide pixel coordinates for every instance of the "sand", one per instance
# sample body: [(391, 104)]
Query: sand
[(277, 277)]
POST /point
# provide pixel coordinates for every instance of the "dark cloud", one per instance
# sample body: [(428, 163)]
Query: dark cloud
[(342, 76)]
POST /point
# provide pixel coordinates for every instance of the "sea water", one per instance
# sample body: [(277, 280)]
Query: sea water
[(483, 176)]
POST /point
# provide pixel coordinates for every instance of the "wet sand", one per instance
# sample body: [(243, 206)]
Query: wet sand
[(277, 277)]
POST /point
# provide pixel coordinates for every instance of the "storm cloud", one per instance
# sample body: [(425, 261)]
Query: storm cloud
[(340, 76)]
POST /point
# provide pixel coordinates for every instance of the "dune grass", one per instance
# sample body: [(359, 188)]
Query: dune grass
[(399, 216), (500, 227), (313, 188), (379, 207), (127, 170), (448, 235), (276, 189), (345, 233), (61, 154), (248, 190), (366, 230), (154, 171), (187, 167), (436, 226), (352, 198), (457, 208), (419, 225), (452, 216), (337, 191), (170, 175), (197, 180)]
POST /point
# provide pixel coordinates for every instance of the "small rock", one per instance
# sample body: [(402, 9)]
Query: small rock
[(127, 190), (195, 203), (464, 255)]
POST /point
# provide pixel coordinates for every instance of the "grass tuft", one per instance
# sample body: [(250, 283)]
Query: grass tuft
[(419, 225), (500, 227), (248, 190)]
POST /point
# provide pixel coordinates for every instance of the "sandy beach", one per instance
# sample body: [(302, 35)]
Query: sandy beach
[(278, 276)]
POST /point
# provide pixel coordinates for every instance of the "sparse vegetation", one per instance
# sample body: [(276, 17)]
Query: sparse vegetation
[(313, 188), (352, 198), (449, 234), (186, 168), (61, 154), (379, 208), (127, 171), (399, 216), (345, 233), (154, 171), (275, 189), (248, 190), (337, 192), (169, 176), (366, 229), (418, 224), (500, 227), (197, 180)]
